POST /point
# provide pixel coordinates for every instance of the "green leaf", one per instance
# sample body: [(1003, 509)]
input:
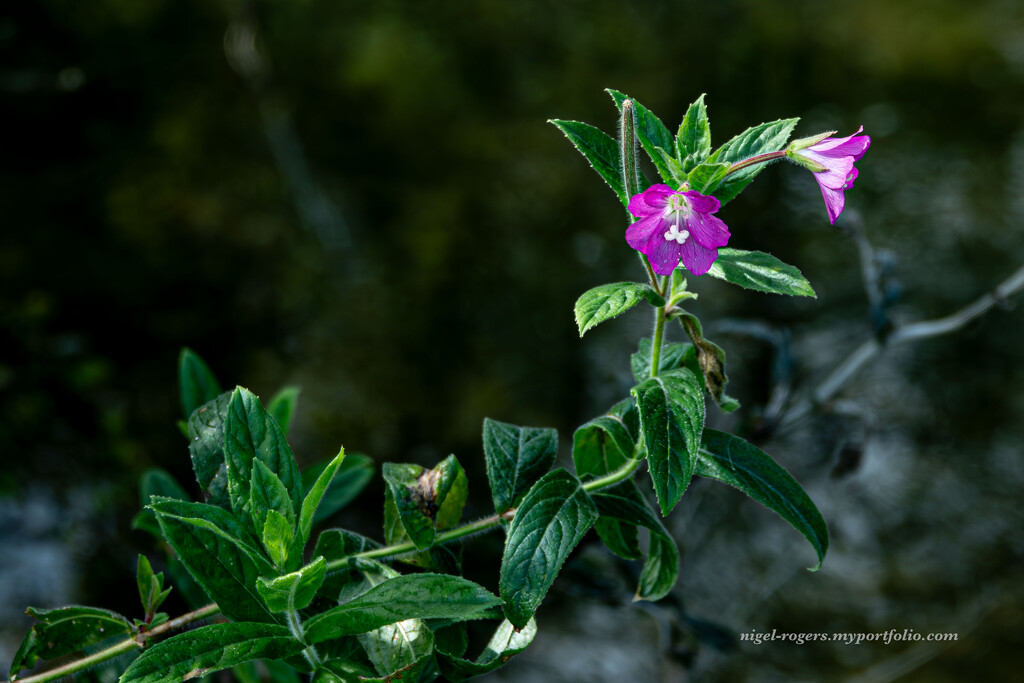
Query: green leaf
[(600, 446), (404, 645), (314, 495), (250, 433), (59, 632), (516, 458), (151, 587), (550, 521), (706, 178), (355, 473), (732, 460), (450, 491), (412, 494), (278, 534), (625, 505), (215, 549), (599, 149), (414, 596), (293, 591), (282, 407), (506, 642), (693, 140), (196, 381), (266, 493), (761, 272), (654, 137), (606, 302), (206, 445), (335, 544), (671, 418), (759, 139), (210, 648), (673, 355)]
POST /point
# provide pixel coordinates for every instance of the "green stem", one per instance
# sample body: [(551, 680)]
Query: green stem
[(659, 335), (120, 648), (758, 159), (295, 626), (628, 144)]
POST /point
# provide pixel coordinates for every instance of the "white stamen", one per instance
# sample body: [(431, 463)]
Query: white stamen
[(675, 234)]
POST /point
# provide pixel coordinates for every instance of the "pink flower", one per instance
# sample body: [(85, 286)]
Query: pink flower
[(831, 159), (676, 226)]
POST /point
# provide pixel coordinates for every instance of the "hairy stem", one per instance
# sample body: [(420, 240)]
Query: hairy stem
[(757, 159)]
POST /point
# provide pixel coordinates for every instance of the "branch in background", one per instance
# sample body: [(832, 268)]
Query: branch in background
[(899, 335)]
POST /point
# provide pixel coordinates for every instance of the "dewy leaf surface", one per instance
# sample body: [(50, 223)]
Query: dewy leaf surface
[(196, 381), (61, 631), (223, 565), (598, 148), (206, 446), (411, 596), (671, 418), (550, 521), (606, 302), (761, 272), (516, 458), (250, 433), (738, 463), (210, 648)]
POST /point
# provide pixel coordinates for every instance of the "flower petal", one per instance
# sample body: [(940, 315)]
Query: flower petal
[(696, 258), (651, 200), (665, 255), (641, 233), (702, 203), (838, 168), (851, 146), (834, 198), (709, 231)]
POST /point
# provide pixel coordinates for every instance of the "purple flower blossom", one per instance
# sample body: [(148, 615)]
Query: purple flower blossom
[(676, 226), (832, 159)]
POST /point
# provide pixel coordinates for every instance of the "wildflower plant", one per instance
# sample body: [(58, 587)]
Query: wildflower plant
[(338, 606)]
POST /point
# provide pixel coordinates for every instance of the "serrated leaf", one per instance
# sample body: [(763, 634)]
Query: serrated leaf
[(206, 446), (452, 490), (210, 648), (355, 473), (293, 591), (673, 355), (516, 458), (266, 493), (625, 504), (606, 302), (671, 418), (61, 631), (732, 460), (759, 139), (414, 596), (413, 497), (398, 646), (706, 178), (654, 137), (761, 272), (506, 642), (693, 141), (282, 407), (215, 549), (551, 520), (599, 149), (196, 382), (314, 494), (250, 433)]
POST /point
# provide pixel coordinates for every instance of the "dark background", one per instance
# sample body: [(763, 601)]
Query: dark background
[(364, 199)]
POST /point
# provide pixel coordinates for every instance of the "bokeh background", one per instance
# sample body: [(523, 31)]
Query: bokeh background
[(364, 199)]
